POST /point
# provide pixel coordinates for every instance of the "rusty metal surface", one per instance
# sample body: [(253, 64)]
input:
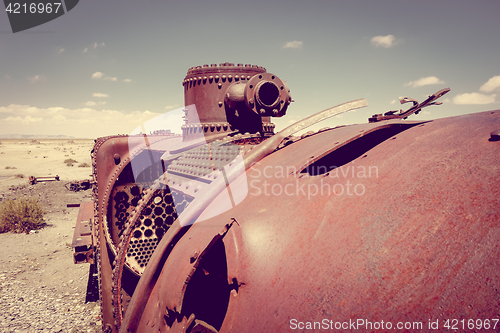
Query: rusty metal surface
[(255, 155), (82, 237), (206, 87), (111, 156), (415, 240), (367, 221)]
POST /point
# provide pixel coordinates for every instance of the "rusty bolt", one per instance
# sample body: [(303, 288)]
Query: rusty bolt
[(117, 159), (262, 111), (275, 111), (495, 135), (220, 104)]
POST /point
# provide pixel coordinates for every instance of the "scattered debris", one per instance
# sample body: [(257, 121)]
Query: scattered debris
[(81, 185), (34, 180)]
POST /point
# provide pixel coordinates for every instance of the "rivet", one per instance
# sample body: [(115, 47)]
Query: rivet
[(117, 159), (495, 135), (220, 103), (251, 102), (262, 111), (275, 111), (157, 200), (220, 85)]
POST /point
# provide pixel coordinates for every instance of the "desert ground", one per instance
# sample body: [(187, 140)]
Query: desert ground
[(41, 289)]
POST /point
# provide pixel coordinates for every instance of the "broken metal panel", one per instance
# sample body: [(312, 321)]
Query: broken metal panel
[(415, 109), (82, 237)]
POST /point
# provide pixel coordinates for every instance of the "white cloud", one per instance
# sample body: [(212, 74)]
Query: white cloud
[(293, 45), (97, 75), (100, 75), (424, 81), (23, 120), (60, 50), (37, 78), (393, 101), (474, 98), (492, 84), (100, 95), (383, 41), (93, 46), (84, 122), (92, 103), (168, 107)]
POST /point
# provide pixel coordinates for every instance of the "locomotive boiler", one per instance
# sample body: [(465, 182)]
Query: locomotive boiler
[(230, 227)]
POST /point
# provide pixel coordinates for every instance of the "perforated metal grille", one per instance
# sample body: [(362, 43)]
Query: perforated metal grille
[(125, 198), (156, 218), (205, 159)]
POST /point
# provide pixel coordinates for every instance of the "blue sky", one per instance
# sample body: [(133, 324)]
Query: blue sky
[(105, 67)]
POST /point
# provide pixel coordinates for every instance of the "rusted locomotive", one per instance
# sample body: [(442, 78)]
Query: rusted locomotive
[(229, 227)]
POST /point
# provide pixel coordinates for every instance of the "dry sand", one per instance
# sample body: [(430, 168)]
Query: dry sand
[(43, 158), (41, 289)]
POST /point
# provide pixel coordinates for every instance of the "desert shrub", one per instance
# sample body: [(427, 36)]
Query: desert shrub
[(83, 165), (21, 215), (9, 167), (19, 175), (70, 161)]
